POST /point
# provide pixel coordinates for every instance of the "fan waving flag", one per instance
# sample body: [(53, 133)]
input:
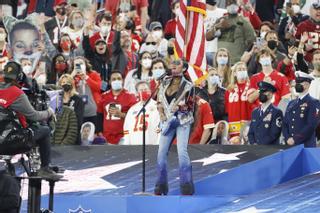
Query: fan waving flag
[(190, 37)]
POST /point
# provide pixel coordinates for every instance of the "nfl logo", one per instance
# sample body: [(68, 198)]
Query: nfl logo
[(79, 210)]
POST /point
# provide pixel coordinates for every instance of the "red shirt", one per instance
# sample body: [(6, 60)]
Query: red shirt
[(113, 126), (237, 107), (279, 81), (204, 120), (170, 28), (313, 30), (113, 6)]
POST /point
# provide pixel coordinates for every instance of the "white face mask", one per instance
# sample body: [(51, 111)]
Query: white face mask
[(241, 75), (221, 60), (157, 34), (214, 80), (41, 79), (116, 85), (34, 58), (265, 61), (2, 36), (146, 63), (27, 69), (296, 8), (233, 9), (156, 73), (105, 29)]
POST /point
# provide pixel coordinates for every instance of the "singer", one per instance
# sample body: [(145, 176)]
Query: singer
[(175, 105)]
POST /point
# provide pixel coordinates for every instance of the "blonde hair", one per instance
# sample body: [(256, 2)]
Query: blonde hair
[(71, 17), (227, 70), (69, 80), (233, 78)]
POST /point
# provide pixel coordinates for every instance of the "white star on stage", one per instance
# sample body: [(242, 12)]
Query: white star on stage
[(87, 179), (253, 209), (219, 157)]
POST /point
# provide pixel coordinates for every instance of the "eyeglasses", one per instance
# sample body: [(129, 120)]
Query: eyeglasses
[(151, 43)]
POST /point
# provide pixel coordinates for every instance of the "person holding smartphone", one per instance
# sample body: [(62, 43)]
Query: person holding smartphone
[(88, 84), (113, 108)]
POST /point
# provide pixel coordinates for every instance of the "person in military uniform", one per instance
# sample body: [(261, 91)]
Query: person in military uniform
[(265, 126), (302, 115)]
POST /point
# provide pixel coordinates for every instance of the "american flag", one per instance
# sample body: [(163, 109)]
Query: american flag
[(190, 37)]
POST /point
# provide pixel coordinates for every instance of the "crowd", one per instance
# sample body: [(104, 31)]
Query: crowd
[(108, 58)]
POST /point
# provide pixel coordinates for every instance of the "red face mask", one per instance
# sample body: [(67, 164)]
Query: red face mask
[(65, 45), (143, 96), (61, 67)]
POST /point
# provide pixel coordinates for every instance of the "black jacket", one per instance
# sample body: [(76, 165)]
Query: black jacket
[(9, 193)]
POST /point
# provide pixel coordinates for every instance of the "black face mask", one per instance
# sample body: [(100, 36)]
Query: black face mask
[(272, 44), (211, 2), (62, 11), (66, 87), (299, 88), (170, 51), (263, 98)]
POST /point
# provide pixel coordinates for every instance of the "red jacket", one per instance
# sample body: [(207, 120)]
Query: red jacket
[(94, 82), (170, 29)]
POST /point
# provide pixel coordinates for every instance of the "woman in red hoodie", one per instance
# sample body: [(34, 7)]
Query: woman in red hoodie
[(88, 85)]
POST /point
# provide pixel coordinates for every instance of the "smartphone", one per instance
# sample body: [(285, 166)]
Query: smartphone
[(259, 42), (113, 105), (78, 68)]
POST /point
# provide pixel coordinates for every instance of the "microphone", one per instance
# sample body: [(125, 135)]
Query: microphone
[(161, 77)]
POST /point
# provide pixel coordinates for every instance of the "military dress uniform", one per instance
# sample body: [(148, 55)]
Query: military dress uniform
[(301, 118), (265, 126)]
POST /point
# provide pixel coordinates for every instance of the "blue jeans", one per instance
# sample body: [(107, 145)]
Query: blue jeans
[(182, 134)]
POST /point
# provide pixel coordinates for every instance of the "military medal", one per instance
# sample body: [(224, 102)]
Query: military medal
[(266, 125), (301, 115)]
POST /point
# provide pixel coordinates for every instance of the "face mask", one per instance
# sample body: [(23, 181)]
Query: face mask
[(78, 23), (34, 58), (146, 63), (65, 45), (233, 9), (214, 79), (157, 34), (41, 79), (263, 35), (143, 96), (242, 75), (156, 73), (116, 85), (221, 60), (105, 29), (299, 88), (272, 44), (295, 8), (62, 11), (60, 67), (2, 37), (27, 69), (316, 65), (211, 2), (265, 61), (66, 87), (170, 50), (263, 98)]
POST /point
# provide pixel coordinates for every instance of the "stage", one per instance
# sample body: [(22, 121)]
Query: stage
[(227, 179)]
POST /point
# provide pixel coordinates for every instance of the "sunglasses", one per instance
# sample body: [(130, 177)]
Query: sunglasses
[(151, 43), (176, 62), (316, 5)]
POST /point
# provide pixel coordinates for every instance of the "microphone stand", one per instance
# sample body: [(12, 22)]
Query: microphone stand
[(143, 111)]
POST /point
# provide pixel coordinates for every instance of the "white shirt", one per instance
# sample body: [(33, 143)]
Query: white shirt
[(210, 20), (133, 125)]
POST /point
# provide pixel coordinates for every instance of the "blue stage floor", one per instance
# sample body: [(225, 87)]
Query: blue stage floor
[(299, 195)]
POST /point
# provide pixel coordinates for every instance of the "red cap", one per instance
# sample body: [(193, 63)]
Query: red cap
[(59, 2)]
